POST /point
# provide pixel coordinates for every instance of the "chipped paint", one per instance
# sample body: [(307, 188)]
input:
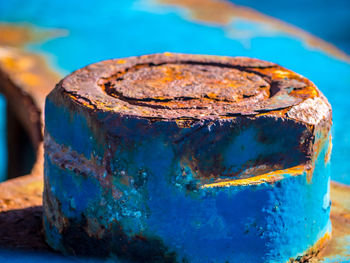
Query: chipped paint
[(311, 111)]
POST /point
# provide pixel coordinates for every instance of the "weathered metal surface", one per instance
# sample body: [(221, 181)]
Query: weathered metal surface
[(224, 28), (173, 157), (286, 46)]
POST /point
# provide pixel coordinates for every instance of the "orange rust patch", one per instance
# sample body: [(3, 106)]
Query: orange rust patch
[(280, 73), (201, 86), (314, 250), (121, 61), (15, 35), (29, 72), (179, 85), (83, 102), (270, 177), (277, 113)]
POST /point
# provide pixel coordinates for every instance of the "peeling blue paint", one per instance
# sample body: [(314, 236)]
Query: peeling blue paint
[(148, 185)]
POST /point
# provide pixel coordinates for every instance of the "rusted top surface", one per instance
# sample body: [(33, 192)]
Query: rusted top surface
[(172, 86)]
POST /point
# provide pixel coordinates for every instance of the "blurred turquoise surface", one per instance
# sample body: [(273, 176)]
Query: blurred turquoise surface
[(329, 20)]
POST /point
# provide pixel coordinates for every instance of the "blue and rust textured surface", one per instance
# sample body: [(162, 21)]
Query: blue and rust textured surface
[(215, 27), (20, 221), (182, 158), (205, 26)]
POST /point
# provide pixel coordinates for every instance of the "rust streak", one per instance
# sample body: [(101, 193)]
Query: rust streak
[(270, 177)]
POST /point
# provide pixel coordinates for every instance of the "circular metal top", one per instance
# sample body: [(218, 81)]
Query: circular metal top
[(174, 86), (185, 86)]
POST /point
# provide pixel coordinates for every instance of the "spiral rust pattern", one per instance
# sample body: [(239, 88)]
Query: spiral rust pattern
[(176, 85)]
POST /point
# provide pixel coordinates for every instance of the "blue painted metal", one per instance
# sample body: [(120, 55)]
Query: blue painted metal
[(121, 180)]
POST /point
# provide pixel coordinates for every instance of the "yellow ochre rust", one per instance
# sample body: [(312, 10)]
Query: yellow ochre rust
[(270, 177)]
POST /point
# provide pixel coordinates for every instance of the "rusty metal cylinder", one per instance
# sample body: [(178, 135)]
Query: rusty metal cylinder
[(187, 158)]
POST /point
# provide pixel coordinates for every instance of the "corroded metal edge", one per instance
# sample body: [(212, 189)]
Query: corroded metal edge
[(85, 88), (313, 251), (88, 87)]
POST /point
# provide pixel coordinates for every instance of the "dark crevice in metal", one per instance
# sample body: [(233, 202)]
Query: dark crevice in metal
[(21, 151), (23, 128), (81, 98)]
